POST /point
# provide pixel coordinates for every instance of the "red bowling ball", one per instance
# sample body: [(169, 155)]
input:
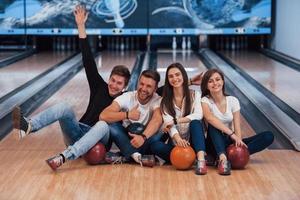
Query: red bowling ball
[(95, 155), (238, 156)]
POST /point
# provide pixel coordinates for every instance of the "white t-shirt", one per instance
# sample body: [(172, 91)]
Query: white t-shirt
[(183, 128), (232, 105), (128, 100)]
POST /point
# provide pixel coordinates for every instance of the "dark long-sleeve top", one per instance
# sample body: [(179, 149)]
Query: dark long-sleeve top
[(99, 95)]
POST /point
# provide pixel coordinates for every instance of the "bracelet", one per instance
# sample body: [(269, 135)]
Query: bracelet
[(175, 121), (231, 134), (144, 136)]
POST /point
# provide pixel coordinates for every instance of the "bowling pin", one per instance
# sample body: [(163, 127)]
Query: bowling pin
[(174, 44), (233, 43), (189, 44), (122, 46), (183, 43)]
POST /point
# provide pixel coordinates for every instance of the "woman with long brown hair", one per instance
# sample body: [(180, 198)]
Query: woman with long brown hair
[(182, 114), (222, 113)]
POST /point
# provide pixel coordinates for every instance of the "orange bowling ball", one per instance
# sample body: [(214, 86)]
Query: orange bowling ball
[(238, 156), (182, 157)]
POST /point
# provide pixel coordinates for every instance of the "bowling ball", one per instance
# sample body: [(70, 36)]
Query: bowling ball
[(182, 157), (95, 155), (135, 128), (238, 156)]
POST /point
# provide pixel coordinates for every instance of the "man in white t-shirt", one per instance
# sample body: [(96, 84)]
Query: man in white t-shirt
[(140, 106)]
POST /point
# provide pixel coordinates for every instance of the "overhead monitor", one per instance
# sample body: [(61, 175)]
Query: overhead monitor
[(113, 17), (12, 17), (50, 17), (193, 17), (106, 17)]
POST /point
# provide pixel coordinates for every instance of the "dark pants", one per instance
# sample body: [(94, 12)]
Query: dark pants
[(197, 141), (220, 141), (121, 138)]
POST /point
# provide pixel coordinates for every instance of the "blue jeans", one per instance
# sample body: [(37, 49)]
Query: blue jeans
[(121, 138), (79, 136), (221, 141), (197, 141)]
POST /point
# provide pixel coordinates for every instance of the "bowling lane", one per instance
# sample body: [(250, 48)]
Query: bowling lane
[(26, 69), (109, 59), (281, 80), (6, 54), (193, 65), (76, 93)]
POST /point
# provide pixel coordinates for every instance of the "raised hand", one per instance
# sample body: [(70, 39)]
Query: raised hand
[(80, 14)]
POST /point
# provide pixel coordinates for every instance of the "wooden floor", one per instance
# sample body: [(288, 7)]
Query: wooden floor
[(272, 174)]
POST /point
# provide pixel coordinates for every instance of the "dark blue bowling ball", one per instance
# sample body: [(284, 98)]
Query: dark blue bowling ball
[(135, 128)]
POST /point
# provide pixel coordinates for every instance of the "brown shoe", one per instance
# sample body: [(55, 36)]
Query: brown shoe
[(114, 158), (147, 160), (20, 123), (55, 162)]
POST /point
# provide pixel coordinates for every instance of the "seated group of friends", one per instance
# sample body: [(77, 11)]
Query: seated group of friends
[(208, 121)]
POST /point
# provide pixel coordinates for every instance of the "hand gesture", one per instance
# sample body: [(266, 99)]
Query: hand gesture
[(134, 113), (80, 15), (181, 142), (196, 80), (238, 142), (137, 141)]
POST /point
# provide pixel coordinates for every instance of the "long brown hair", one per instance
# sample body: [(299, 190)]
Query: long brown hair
[(205, 79), (168, 95)]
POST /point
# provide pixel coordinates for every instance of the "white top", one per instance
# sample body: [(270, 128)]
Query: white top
[(128, 100), (196, 114), (232, 105)]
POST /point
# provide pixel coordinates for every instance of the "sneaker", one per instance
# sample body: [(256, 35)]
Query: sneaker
[(20, 123), (114, 158), (147, 160), (224, 167), (55, 162), (201, 168)]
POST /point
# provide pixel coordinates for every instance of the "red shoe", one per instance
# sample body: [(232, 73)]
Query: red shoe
[(201, 168), (55, 162), (224, 167)]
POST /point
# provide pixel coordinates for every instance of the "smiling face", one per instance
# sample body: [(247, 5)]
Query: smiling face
[(175, 77), (215, 83), (116, 84), (146, 88)]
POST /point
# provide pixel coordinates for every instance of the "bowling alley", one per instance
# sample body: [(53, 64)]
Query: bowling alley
[(149, 99)]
